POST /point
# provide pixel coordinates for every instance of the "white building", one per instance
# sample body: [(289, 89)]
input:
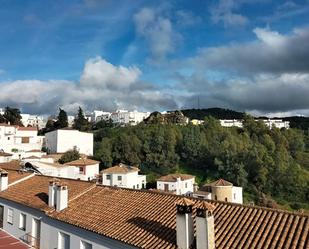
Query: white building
[(18, 140), (124, 117), (278, 123), (50, 213), (220, 190), (71, 120), (179, 184), (82, 169), (5, 157), (33, 120), (123, 176), (97, 115), (62, 140)]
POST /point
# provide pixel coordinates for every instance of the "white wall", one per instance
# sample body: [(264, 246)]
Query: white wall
[(185, 187), (129, 180), (60, 141), (237, 195)]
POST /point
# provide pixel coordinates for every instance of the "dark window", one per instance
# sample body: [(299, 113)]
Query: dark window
[(119, 178), (225, 199), (108, 177)]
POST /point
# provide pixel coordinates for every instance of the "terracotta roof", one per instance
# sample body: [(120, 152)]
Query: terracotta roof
[(220, 182), (5, 154), (16, 175), (27, 128), (33, 151), (82, 162), (33, 192), (120, 169), (13, 165), (185, 202), (147, 219), (150, 221), (32, 157), (173, 177)]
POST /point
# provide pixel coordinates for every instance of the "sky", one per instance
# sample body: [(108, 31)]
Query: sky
[(245, 55)]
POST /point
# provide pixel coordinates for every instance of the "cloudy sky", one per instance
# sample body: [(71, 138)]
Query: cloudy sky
[(246, 55)]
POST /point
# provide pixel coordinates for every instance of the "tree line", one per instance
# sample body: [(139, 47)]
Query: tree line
[(266, 162)]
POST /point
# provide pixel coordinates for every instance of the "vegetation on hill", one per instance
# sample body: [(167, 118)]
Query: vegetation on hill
[(218, 113), (69, 156), (269, 164), (12, 116)]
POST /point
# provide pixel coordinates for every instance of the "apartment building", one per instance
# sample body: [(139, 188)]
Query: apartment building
[(278, 123), (33, 120)]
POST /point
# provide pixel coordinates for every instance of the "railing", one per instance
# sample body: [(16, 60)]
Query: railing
[(31, 241)]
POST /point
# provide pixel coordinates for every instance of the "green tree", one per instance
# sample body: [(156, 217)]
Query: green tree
[(12, 116), (62, 119), (69, 156), (80, 122), (103, 151)]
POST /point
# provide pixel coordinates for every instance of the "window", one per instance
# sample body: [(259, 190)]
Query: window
[(225, 199), (25, 140), (10, 216), (137, 186), (85, 245), (234, 196), (108, 177), (216, 198), (22, 222), (63, 241), (81, 170), (186, 185), (119, 178)]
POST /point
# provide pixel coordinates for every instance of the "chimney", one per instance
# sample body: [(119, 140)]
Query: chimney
[(3, 180), (52, 192), (61, 196), (205, 226), (184, 223)]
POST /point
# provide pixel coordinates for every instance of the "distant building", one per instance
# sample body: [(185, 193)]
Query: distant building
[(123, 176), (17, 140), (196, 122), (179, 184), (124, 117), (62, 140), (5, 157), (220, 190), (33, 120), (97, 116), (278, 123), (71, 121)]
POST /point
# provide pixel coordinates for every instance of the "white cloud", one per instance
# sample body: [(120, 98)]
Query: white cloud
[(158, 32), (102, 85), (224, 12)]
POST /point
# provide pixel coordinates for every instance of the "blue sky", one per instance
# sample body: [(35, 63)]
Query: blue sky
[(155, 55)]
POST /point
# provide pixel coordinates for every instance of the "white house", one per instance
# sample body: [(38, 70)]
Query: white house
[(123, 176), (83, 169), (62, 140), (179, 184), (17, 140), (5, 157), (278, 123), (50, 213), (124, 117), (220, 190), (33, 120)]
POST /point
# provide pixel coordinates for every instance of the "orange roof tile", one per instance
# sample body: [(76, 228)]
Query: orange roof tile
[(82, 162), (146, 219), (173, 177), (220, 182), (20, 128), (5, 154), (120, 169), (13, 165)]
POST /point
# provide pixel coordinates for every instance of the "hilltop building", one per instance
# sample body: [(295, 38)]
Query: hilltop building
[(278, 123), (62, 140), (33, 120), (220, 190), (49, 213), (179, 184), (123, 176)]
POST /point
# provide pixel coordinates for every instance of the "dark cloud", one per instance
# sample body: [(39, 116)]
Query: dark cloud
[(271, 53)]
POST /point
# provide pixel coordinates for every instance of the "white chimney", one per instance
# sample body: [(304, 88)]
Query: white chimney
[(184, 223), (52, 192), (61, 196), (205, 226), (3, 180)]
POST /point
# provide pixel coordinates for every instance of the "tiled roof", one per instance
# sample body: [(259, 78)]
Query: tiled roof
[(120, 169), (147, 219), (16, 175), (5, 154), (32, 157), (173, 177), (33, 151), (13, 165), (20, 128), (220, 182), (33, 192), (82, 162)]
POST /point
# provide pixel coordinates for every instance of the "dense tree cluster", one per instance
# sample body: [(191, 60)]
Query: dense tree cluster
[(12, 116), (69, 156), (266, 162)]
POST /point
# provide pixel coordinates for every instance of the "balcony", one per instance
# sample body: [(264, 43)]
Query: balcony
[(31, 241)]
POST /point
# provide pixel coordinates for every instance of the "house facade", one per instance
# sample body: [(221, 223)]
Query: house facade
[(179, 184), (62, 140), (124, 176)]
